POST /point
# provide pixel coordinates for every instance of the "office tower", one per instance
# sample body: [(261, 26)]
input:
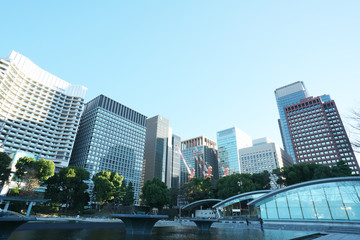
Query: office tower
[(318, 134), (285, 96), (229, 142), (39, 112), (158, 150), (176, 159), (263, 155), (200, 156), (111, 137)]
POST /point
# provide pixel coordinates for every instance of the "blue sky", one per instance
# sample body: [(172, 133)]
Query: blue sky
[(204, 65)]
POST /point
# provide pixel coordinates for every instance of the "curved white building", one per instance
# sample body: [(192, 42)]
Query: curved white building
[(39, 112)]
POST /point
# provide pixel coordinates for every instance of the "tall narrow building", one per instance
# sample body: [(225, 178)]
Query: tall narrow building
[(318, 134), (200, 156), (158, 150), (176, 160), (229, 142), (111, 137), (286, 96), (39, 112)]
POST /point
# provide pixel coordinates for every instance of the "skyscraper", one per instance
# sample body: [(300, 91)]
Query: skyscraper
[(111, 137), (158, 150), (285, 96), (176, 159), (39, 112), (229, 142), (199, 154), (318, 134)]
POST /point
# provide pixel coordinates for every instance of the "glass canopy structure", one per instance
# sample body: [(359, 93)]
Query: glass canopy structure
[(331, 199), (236, 206)]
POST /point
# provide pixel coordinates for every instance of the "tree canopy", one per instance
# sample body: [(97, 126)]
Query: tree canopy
[(5, 170), (155, 193), (197, 189), (68, 187), (128, 197), (107, 186), (32, 173), (303, 172), (238, 183), (42, 168)]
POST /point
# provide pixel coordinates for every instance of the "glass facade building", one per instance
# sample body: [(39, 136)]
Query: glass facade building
[(111, 137), (200, 155), (285, 96), (176, 159), (332, 199), (229, 142), (318, 134), (39, 112)]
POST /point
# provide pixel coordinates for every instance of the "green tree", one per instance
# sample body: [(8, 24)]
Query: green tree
[(128, 197), (5, 170), (68, 187), (197, 189), (44, 169), (23, 165), (107, 186), (155, 193), (341, 169), (261, 180), (174, 194), (32, 173), (303, 172), (234, 184)]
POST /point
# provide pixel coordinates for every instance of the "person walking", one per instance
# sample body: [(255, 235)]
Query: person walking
[(261, 224), (247, 221)]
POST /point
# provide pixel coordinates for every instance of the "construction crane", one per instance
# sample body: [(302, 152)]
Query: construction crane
[(206, 171), (225, 170), (190, 172)]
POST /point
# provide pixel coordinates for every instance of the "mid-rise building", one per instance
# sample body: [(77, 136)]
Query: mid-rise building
[(158, 150), (318, 134), (39, 112), (286, 96), (111, 137), (263, 155), (201, 157), (229, 142)]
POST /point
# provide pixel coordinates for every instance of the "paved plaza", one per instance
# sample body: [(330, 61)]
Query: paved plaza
[(331, 231)]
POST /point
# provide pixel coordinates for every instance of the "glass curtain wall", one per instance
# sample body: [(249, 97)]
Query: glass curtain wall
[(326, 201)]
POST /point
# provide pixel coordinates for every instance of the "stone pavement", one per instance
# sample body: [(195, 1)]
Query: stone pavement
[(339, 236)]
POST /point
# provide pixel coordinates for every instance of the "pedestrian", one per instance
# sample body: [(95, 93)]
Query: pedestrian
[(261, 224), (247, 220)]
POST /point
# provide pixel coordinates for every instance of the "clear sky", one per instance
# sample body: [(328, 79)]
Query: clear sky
[(204, 65)]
